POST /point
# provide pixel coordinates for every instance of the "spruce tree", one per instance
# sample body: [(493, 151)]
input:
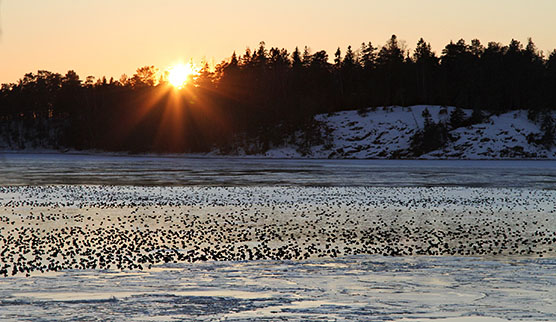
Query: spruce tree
[(457, 118), (338, 58), (548, 130), (368, 56)]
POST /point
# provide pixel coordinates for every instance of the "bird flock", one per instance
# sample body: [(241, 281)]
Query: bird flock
[(53, 228)]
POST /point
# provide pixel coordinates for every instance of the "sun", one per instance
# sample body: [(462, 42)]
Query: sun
[(180, 74)]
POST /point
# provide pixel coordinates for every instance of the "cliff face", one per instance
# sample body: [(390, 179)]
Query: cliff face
[(387, 132)]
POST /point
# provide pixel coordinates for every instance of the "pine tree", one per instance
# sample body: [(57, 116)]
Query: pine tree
[(548, 130), (246, 59), (477, 116), (261, 54), (368, 56), (426, 63), (349, 59), (205, 78), (306, 59), (423, 52), (476, 48), (427, 117), (457, 118), (391, 53), (432, 137), (338, 58), (296, 59), (233, 60)]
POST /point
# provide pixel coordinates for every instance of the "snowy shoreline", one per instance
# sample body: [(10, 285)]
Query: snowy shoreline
[(382, 133), (212, 155)]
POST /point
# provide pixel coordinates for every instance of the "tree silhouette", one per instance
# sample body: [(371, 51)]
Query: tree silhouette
[(268, 97), (426, 64), (144, 76)]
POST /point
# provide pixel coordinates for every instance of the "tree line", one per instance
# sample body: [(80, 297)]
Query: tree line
[(268, 96)]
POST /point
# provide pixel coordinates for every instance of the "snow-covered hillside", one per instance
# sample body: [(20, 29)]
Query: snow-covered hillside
[(374, 133), (386, 133)]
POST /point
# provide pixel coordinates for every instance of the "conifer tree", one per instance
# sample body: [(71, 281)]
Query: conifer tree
[(457, 118)]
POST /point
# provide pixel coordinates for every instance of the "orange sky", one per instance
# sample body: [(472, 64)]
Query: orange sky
[(112, 37)]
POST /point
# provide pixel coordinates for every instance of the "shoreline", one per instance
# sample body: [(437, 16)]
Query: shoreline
[(209, 155)]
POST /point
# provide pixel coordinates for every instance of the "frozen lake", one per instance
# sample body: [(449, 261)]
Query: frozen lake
[(294, 240), (41, 169), (363, 288)]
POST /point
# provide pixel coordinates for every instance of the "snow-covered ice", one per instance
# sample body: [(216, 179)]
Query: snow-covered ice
[(298, 240)]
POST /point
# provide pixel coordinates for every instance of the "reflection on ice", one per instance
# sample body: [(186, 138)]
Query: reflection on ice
[(44, 169), (346, 289)]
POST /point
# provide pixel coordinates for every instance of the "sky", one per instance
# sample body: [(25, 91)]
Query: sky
[(113, 37)]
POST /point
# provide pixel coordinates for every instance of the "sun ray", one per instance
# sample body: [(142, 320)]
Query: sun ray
[(180, 74)]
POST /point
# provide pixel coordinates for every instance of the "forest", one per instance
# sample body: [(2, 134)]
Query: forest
[(267, 97)]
